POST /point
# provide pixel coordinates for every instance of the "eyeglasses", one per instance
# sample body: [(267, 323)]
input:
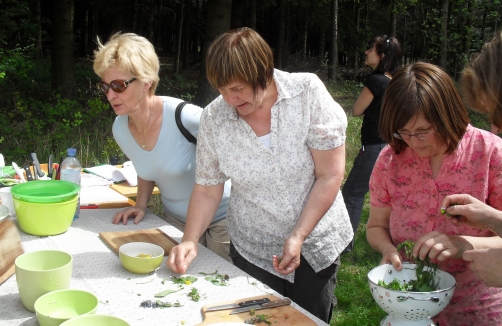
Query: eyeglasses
[(419, 135), (117, 85)]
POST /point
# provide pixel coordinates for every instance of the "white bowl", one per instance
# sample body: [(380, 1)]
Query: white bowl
[(409, 308)]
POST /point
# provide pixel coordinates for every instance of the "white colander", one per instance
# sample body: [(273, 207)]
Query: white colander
[(409, 308)]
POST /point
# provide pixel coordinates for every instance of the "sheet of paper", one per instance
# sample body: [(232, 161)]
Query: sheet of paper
[(100, 194)]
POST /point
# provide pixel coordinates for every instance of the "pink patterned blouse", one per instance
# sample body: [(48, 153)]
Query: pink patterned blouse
[(404, 182)]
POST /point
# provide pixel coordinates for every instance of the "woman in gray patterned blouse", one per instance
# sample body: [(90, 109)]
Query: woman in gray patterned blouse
[(280, 138)]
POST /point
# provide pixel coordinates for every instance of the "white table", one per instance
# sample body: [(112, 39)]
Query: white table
[(96, 268)]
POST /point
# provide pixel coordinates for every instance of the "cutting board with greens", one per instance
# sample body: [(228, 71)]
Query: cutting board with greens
[(156, 236), (278, 316)]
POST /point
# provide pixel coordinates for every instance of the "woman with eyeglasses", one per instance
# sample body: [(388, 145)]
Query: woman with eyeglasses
[(146, 131), (435, 152), (384, 57)]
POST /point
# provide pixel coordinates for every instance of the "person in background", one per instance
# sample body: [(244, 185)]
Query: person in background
[(481, 84), (146, 131), (434, 152), (280, 138), (384, 57)]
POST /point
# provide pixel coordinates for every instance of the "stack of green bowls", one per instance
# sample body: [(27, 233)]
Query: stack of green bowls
[(45, 207)]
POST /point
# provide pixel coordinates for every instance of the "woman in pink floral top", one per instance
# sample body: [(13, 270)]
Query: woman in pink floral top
[(434, 152)]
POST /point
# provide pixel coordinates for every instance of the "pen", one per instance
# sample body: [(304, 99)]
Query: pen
[(89, 206)]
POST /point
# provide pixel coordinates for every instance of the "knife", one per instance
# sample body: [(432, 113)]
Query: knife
[(238, 305), (49, 167), (271, 304), (27, 170), (36, 165)]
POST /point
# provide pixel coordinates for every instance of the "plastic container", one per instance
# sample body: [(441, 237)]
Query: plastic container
[(45, 191), (70, 171)]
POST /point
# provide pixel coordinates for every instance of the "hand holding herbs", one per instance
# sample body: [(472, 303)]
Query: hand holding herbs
[(425, 273)]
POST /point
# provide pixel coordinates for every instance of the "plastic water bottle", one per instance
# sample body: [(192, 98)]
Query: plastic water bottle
[(70, 171)]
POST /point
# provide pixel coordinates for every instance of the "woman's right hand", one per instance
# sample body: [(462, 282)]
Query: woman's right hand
[(181, 256), (137, 212), (391, 256), (466, 209)]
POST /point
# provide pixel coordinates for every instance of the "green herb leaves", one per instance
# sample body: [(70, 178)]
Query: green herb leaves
[(216, 279)]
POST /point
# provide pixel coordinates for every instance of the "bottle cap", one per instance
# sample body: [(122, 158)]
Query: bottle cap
[(72, 151)]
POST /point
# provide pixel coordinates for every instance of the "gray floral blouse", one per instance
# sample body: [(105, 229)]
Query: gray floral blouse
[(270, 186)]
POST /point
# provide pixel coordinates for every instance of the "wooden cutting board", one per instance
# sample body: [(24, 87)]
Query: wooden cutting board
[(156, 236), (10, 248), (281, 316)]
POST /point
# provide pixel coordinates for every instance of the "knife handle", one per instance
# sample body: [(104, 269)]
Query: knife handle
[(253, 302), (276, 303), (29, 176), (36, 165)]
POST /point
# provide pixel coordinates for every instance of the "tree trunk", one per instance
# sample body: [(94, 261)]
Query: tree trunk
[(187, 32), (304, 45), (393, 22), (468, 30), (333, 50), (444, 34), (358, 19), (281, 37), (85, 33), (37, 19), (252, 14), (237, 14), (62, 65), (176, 68), (217, 22), (321, 44)]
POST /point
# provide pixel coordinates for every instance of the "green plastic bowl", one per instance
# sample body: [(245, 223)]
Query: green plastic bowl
[(54, 308), (45, 219), (95, 320), (45, 191), (137, 265)]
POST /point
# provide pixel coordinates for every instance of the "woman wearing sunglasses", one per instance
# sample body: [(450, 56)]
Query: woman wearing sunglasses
[(146, 131), (434, 152)]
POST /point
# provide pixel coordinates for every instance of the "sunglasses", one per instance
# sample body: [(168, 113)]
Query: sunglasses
[(118, 86)]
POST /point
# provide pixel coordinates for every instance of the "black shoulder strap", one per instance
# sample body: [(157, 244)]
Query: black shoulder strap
[(181, 127)]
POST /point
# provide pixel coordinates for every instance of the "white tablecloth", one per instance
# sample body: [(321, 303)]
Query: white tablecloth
[(96, 268)]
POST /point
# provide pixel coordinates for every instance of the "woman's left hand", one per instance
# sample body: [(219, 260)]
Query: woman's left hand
[(440, 246), (290, 258)]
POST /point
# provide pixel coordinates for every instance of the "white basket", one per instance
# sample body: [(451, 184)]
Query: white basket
[(409, 308)]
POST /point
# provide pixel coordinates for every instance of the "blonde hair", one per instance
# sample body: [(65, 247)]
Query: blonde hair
[(240, 55), (131, 54), (483, 77)]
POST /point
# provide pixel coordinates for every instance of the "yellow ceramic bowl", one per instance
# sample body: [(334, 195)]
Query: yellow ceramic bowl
[(54, 308), (45, 219), (95, 320), (130, 257)]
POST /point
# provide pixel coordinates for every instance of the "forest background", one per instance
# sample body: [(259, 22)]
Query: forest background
[(49, 102)]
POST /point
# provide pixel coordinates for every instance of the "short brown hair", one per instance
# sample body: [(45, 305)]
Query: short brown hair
[(483, 76), (423, 88), (240, 55)]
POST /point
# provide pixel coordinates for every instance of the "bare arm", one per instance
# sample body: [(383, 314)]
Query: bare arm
[(204, 202), (329, 172), (145, 189), (378, 236), (362, 102)]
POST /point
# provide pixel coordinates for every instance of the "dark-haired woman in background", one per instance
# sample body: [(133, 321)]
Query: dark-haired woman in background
[(384, 57)]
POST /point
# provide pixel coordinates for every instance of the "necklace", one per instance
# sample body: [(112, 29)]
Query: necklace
[(146, 128)]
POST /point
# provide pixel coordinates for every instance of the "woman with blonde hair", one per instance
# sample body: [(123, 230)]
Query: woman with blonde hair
[(146, 131)]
